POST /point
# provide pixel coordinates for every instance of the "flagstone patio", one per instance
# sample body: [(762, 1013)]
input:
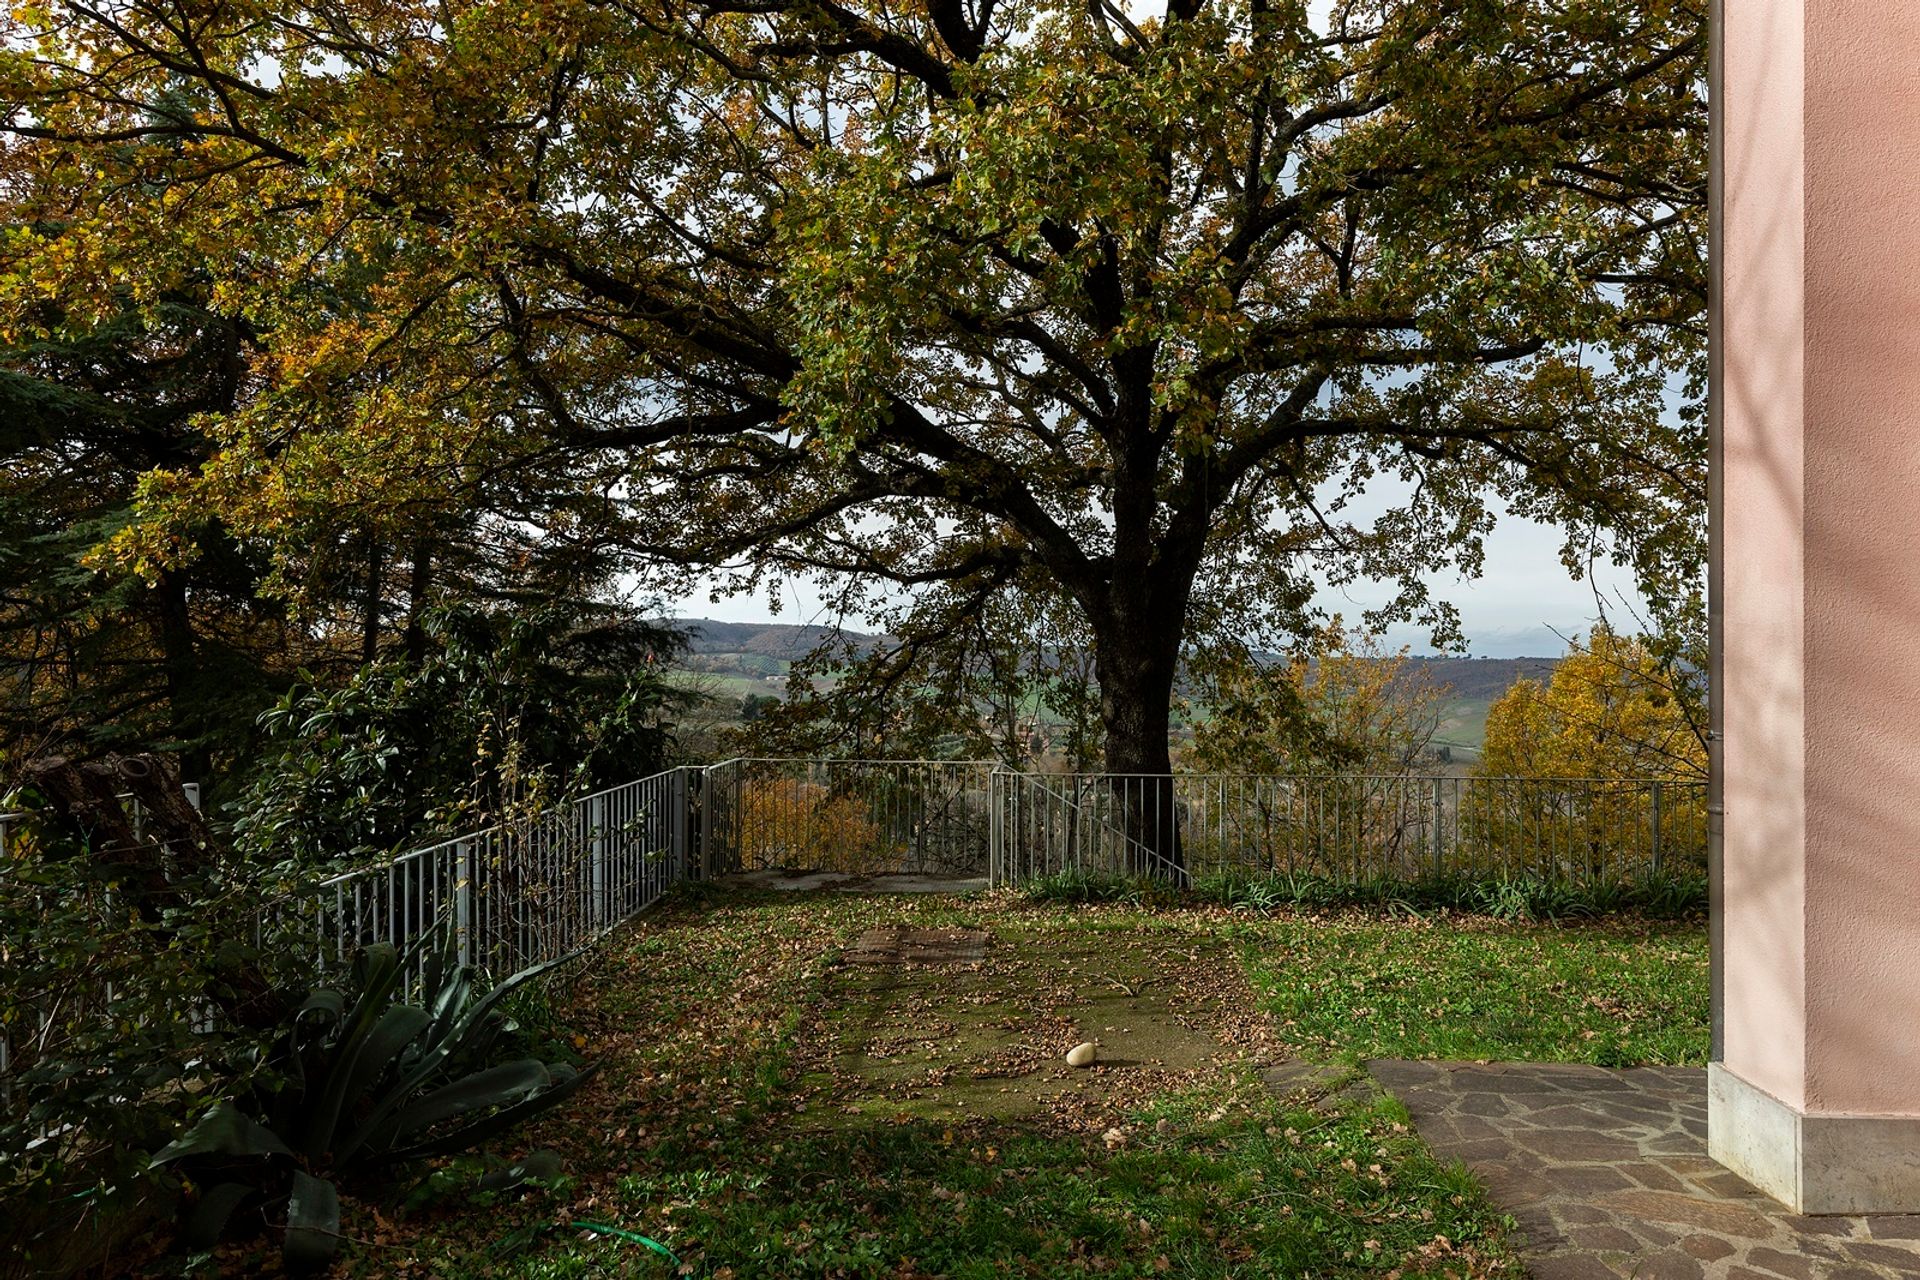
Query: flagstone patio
[(1607, 1173)]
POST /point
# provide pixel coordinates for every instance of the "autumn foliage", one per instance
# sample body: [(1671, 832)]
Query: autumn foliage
[(1120, 311), (1347, 705), (791, 822), (1602, 767), (1611, 711)]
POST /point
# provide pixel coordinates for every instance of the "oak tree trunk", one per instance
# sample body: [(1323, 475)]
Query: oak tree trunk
[(1137, 655), (186, 687)]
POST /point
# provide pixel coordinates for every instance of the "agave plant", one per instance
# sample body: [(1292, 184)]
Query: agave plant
[(362, 1079)]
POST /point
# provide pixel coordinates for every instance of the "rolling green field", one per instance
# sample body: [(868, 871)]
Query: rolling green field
[(732, 660), (1463, 725)]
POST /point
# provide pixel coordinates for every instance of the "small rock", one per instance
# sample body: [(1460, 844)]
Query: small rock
[(1082, 1054)]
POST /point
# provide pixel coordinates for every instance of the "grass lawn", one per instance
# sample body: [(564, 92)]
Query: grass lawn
[(771, 1107), (1613, 993)]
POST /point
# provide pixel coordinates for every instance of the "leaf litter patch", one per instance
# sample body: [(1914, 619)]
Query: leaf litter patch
[(765, 1108), (951, 1025)]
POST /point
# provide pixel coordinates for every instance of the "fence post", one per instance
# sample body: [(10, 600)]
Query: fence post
[(679, 828), (463, 900), (1656, 827), (1439, 829), (697, 871), (699, 819), (710, 835), (600, 909), (995, 829), (718, 824), (733, 852)]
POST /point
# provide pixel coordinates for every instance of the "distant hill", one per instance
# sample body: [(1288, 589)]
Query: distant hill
[(782, 641), (1474, 684), (1486, 677), (752, 657)]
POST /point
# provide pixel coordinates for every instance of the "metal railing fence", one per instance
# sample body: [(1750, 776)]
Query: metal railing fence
[(1350, 828), (526, 891), (537, 889), (511, 895)]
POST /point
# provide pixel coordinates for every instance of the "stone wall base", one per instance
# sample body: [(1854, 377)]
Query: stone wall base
[(1814, 1163)]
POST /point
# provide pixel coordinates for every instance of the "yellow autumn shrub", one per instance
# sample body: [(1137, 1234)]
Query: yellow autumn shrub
[(790, 822), (1601, 769)]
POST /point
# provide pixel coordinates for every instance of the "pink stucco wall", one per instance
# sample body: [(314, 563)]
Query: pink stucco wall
[(1820, 411)]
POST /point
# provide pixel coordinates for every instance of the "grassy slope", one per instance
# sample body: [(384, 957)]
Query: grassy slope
[(742, 1117), (1463, 725), (769, 1110)]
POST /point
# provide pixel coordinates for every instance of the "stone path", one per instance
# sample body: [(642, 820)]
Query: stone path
[(851, 882), (1607, 1174)]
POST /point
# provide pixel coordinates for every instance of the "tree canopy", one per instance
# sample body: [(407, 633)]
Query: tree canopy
[(100, 656), (1118, 310)]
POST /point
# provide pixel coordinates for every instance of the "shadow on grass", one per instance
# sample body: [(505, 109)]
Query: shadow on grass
[(1202, 1184), (772, 1109)]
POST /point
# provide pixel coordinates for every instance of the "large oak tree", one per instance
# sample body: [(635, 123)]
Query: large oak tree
[(941, 299)]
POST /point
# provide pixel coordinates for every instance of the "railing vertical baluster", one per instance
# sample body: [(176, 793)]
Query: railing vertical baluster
[(1654, 854)]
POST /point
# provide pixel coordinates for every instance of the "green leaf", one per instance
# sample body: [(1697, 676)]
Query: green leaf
[(331, 1005), (361, 1064), (376, 971), (448, 1002), (465, 1028), (224, 1131), (495, 1087), (313, 1224), (207, 1221), (566, 1082)]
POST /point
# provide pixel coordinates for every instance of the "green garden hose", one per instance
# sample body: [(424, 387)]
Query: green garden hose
[(525, 1236), (621, 1233)]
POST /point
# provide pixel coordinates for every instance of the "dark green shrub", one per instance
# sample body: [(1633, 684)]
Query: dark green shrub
[(362, 1079), (506, 712), (120, 1009)]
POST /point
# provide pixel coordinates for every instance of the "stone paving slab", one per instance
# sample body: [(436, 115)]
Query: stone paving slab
[(792, 881), (898, 944), (1607, 1174)]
